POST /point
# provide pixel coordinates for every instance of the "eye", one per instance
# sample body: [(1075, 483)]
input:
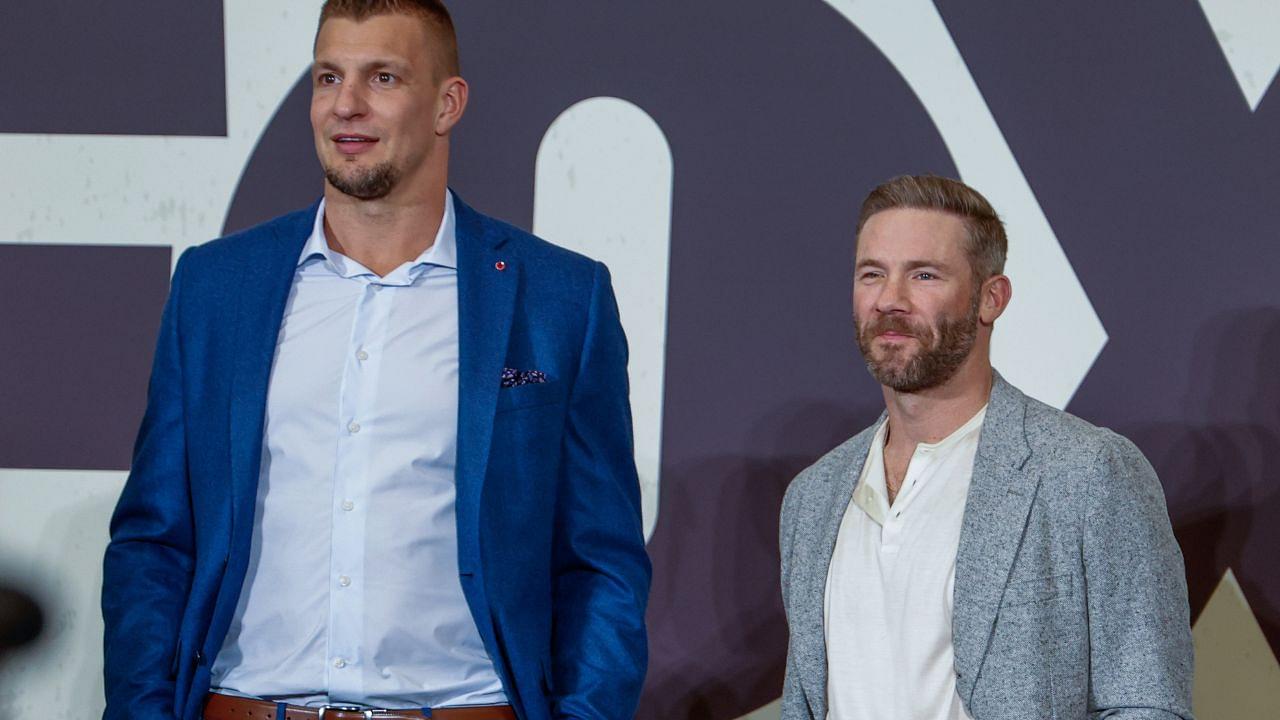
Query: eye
[(869, 275), (926, 276), (385, 78), (326, 78)]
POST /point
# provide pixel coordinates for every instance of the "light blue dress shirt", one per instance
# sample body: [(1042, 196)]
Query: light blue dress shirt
[(352, 593)]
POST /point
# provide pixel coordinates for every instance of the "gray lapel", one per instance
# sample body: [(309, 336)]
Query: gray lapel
[(823, 526), (1000, 497)]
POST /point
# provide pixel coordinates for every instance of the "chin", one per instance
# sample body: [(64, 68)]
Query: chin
[(896, 358)]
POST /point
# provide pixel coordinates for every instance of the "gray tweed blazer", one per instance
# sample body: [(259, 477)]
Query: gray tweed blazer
[(1070, 597)]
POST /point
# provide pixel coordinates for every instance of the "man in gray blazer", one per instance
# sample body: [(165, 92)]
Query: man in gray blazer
[(975, 553)]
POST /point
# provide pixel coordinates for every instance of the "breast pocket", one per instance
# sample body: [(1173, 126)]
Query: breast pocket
[(1037, 590), (530, 396)]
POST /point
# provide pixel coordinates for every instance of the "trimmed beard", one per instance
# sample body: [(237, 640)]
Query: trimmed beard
[(372, 184), (943, 349)]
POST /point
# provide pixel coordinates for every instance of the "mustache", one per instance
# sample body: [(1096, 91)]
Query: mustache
[(894, 323)]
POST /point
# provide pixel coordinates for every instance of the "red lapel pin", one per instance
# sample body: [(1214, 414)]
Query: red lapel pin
[(500, 266)]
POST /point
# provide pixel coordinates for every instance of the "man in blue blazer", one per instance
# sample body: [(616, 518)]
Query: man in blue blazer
[(386, 464)]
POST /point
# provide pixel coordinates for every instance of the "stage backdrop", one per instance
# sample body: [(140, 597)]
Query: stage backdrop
[(714, 154)]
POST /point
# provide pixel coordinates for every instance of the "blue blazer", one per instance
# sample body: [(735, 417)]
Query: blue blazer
[(550, 546)]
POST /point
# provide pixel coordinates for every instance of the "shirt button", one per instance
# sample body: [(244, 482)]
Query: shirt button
[(344, 581), (362, 355), (339, 663), (354, 428), (348, 505)]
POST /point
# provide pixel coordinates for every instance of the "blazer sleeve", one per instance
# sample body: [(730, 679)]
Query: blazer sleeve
[(148, 564), (1139, 627), (601, 572), (795, 705)]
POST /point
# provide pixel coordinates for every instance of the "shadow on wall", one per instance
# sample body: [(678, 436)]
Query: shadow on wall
[(69, 652), (717, 547), (21, 619), (1228, 511)]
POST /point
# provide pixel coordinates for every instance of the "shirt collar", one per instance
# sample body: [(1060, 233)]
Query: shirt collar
[(973, 425), (443, 252), (871, 494)]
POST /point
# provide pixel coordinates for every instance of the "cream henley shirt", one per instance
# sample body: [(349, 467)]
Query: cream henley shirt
[(887, 609)]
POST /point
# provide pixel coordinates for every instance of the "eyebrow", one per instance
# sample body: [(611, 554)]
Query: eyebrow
[(910, 264), (374, 64)]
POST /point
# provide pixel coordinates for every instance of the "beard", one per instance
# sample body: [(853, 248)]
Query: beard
[(943, 349), (371, 184)]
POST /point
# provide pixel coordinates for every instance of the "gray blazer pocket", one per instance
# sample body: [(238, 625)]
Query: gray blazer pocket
[(531, 395), (1036, 590)]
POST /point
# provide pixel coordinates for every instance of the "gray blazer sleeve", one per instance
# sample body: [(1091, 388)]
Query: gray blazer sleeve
[(1139, 629), (794, 705)]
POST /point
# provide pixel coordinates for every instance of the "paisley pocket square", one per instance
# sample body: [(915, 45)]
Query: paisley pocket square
[(515, 378)]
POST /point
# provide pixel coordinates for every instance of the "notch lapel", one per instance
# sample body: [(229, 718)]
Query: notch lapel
[(995, 515), (809, 607), (266, 271), (486, 303)]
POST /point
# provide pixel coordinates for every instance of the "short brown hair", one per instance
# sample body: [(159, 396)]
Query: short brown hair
[(432, 12), (987, 244)]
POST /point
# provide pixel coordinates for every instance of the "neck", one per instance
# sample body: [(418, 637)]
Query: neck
[(931, 415), (384, 234)]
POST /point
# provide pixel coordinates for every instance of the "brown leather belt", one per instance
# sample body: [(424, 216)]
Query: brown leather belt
[(227, 707)]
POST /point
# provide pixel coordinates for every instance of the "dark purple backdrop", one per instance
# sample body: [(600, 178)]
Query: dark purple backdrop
[(1157, 179)]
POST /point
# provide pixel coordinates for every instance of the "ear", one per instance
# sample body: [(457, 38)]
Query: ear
[(996, 293), (452, 104)]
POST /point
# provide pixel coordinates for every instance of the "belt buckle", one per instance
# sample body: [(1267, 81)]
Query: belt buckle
[(366, 712)]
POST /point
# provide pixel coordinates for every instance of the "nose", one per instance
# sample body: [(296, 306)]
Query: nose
[(349, 102), (894, 297)]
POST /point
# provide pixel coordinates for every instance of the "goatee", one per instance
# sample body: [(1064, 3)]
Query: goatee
[(371, 184), (943, 349)]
